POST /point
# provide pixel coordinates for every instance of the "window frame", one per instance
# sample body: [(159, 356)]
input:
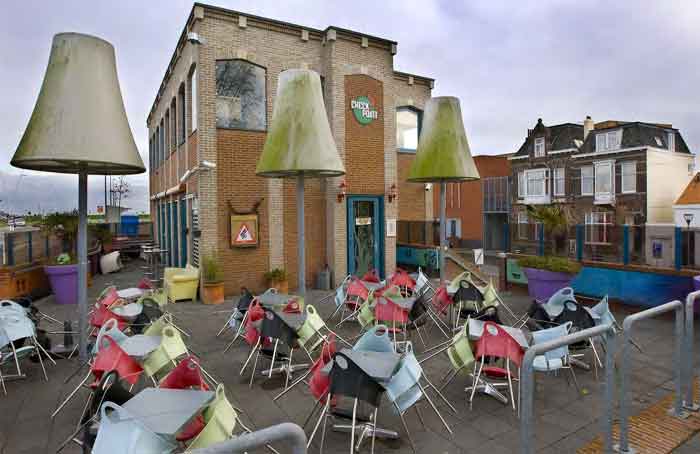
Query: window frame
[(544, 181), (624, 176), (607, 144), (611, 166), (521, 184), (591, 178), (182, 115), (556, 178), (671, 139), (194, 88), (595, 219), (419, 121), (216, 95), (539, 144)]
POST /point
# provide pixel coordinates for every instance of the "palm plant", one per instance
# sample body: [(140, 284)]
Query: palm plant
[(554, 220)]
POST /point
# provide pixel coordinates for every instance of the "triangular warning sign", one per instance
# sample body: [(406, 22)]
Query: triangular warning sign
[(245, 235)]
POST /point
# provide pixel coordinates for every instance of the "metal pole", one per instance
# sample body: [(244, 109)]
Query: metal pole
[(301, 258), (688, 402), (443, 230), (82, 263), (627, 324), (293, 436)]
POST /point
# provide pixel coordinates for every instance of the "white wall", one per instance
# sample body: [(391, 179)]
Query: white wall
[(667, 177), (680, 210)]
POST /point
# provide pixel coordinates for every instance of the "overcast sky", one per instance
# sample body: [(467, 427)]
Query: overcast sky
[(509, 62)]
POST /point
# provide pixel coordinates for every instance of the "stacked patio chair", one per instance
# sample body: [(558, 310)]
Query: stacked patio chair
[(355, 295), (315, 332), (557, 359), (376, 339), (327, 352), (403, 281), (237, 318)]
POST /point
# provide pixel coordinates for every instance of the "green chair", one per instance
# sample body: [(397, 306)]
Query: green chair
[(314, 331), (220, 420), (365, 316), (164, 358), (460, 354)]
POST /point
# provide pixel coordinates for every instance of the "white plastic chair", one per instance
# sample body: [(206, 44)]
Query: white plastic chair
[(122, 433)]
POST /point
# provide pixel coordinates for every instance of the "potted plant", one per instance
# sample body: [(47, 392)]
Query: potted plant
[(546, 275), (277, 278), (212, 281), (62, 270)]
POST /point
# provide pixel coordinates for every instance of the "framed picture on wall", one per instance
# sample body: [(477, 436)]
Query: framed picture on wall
[(244, 230)]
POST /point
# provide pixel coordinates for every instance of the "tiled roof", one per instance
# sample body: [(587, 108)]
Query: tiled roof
[(636, 134), (691, 193), (561, 137)]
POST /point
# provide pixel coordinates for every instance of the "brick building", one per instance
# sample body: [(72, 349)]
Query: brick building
[(208, 126), (477, 211)]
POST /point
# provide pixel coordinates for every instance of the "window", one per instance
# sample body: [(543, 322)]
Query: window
[(173, 126), (606, 141), (408, 122), (659, 142), (193, 98), (671, 139), (587, 180), (162, 142), (536, 183), (150, 154), (629, 176), (240, 95), (598, 227), (523, 226), (559, 182), (182, 119), (539, 147), (603, 178), (521, 184)]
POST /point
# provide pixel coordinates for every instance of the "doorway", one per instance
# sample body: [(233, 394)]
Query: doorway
[(365, 234)]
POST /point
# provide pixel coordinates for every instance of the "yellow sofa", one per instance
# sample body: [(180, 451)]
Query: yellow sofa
[(181, 283)]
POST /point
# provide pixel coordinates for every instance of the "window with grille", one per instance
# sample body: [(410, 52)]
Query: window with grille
[(598, 227), (587, 180), (559, 182), (539, 147), (606, 141), (629, 176)]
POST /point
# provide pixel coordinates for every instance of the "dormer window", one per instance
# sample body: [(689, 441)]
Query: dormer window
[(539, 147), (671, 140), (607, 141)]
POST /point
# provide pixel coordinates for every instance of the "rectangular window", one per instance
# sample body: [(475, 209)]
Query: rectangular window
[(523, 226), (629, 177), (408, 122), (536, 183), (598, 227), (603, 178), (559, 182), (166, 138), (606, 141), (521, 184), (539, 147), (193, 99), (173, 127), (671, 139), (241, 99), (587, 180), (182, 127)]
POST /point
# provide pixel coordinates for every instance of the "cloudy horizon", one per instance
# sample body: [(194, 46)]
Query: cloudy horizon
[(555, 60)]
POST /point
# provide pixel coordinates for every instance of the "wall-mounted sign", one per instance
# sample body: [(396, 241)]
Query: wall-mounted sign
[(391, 228), (365, 113), (244, 230), (363, 221), (478, 257)]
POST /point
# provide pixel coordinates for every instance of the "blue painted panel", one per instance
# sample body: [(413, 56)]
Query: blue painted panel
[(632, 287), (423, 257)]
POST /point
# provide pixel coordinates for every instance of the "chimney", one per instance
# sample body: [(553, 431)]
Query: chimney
[(588, 126)]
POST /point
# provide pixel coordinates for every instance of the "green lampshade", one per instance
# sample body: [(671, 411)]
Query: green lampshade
[(443, 150), (79, 122), (299, 141)]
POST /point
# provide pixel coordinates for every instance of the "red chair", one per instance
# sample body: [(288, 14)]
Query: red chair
[(355, 295), (111, 357), (405, 282), (496, 343), (187, 375), (392, 315), (371, 276), (101, 314), (146, 284), (442, 300), (110, 298)]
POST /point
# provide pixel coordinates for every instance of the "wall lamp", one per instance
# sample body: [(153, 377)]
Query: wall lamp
[(342, 187), (392, 194), (204, 165)]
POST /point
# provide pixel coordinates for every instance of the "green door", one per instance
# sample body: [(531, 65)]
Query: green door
[(365, 234)]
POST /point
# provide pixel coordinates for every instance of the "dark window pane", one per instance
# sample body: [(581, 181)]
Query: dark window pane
[(240, 95)]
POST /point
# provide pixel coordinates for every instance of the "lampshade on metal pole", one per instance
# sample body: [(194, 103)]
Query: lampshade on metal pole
[(79, 125), (299, 144), (443, 156)]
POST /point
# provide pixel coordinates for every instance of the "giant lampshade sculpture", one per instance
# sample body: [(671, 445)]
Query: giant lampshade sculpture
[(79, 125), (443, 155), (299, 143)]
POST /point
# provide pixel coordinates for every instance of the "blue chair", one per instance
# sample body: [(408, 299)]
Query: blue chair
[(553, 360), (111, 329), (375, 340), (601, 314), (122, 433), (555, 304)]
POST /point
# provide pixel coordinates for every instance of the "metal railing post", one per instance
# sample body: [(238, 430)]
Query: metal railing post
[(627, 324), (290, 433), (527, 382), (689, 356)]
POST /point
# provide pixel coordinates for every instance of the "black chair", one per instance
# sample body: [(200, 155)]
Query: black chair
[(350, 381), (468, 293)]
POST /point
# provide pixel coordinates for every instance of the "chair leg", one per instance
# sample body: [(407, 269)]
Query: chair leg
[(374, 428), (325, 419), (432, 405), (510, 384), (475, 382), (41, 361), (41, 348), (252, 351), (70, 396), (289, 368), (255, 367), (2, 383), (313, 410), (274, 353), (405, 427), (324, 411), (294, 383), (352, 432)]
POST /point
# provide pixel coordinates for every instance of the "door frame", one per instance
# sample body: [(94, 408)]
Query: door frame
[(379, 230)]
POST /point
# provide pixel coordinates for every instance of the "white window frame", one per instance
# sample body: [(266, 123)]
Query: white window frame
[(559, 176), (607, 141), (523, 222), (193, 103), (521, 185), (529, 176), (671, 139), (626, 175), (596, 219), (539, 147), (591, 177), (608, 195)]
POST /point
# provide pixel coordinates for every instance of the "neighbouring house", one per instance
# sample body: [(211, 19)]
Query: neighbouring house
[(686, 215), (208, 125), (608, 174), (477, 211)]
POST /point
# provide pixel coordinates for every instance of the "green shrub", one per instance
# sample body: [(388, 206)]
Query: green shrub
[(550, 263), (276, 275), (212, 272)]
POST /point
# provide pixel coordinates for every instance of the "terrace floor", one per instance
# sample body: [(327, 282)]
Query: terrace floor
[(564, 419)]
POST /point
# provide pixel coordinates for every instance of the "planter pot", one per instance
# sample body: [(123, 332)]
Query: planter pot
[(64, 282), (281, 286), (541, 284), (213, 293), (696, 286)]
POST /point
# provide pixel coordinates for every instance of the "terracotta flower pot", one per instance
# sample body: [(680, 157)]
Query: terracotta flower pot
[(213, 293), (281, 286)]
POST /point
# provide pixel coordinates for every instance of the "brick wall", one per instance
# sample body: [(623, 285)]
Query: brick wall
[(412, 196)]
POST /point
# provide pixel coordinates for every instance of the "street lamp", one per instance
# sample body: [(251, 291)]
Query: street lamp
[(688, 220)]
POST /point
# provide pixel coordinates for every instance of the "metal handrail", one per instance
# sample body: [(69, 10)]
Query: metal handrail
[(677, 410), (688, 402), (527, 382), (288, 432)]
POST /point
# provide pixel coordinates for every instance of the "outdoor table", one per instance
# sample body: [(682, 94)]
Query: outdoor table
[(476, 329), (404, 303), (140, 345), (167, 411), (130, 294), (273, 300), (128, 312), (372, 285), (292, 320)]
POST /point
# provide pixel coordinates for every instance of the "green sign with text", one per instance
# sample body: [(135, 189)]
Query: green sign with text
[(365, 113)]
